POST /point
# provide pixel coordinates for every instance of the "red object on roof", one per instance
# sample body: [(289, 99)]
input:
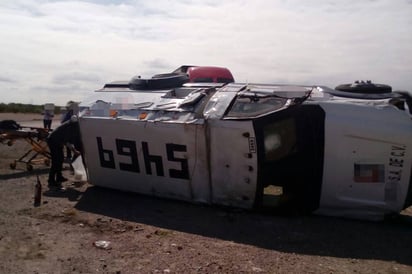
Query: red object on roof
[(209, 75)]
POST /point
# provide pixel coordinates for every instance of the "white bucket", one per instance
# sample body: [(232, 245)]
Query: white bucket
[(80, 174)]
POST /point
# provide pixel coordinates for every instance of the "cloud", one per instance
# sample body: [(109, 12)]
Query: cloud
[(77, 46), (75, 77), (6, 79)]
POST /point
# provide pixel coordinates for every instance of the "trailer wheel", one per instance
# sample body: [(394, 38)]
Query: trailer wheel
[(13, 165), (29, 167)]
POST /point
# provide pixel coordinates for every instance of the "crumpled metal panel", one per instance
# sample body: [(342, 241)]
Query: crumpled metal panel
[(218, 104)]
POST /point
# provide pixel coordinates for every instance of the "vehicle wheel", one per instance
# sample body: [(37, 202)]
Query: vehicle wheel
[(29, 167), (160, 81), (367, 88), (13, 165)]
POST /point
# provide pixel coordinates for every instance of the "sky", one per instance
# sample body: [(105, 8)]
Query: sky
[(53, 51)]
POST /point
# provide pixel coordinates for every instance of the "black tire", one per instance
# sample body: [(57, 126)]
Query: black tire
[(165, 81), (365, 88)]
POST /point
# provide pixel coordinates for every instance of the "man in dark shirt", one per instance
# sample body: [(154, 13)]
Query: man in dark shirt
[(66, 118), (67, 132)]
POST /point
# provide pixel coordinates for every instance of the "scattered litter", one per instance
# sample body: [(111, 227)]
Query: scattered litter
[(69, 211), (257, 269), (177, 246), (81, 225), (102, 244), (121, 230), (162, 232), (100, 220)]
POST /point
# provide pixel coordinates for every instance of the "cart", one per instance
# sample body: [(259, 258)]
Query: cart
[(36, 137)]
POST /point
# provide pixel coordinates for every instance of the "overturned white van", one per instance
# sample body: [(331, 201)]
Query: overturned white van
[(344, 152)]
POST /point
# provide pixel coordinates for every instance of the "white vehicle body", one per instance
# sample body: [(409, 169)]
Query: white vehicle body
[(252, 146)]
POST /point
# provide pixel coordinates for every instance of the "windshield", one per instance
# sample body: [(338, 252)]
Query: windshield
[(257, 101), (253, 106)]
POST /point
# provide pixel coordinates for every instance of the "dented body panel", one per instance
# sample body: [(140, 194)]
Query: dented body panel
[(368, 156)]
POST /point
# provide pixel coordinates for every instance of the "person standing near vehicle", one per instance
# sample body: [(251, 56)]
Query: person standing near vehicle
[(66, 133), (69, 113), (47, 118)]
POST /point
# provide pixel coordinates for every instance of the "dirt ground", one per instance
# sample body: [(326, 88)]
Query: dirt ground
[(67, 233)]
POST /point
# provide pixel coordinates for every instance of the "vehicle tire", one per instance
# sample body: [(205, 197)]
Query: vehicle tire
[(13, 165), (365, 88), (164, 81), (29, 167)]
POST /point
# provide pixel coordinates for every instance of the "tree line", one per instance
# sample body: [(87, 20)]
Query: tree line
[(24, 108)]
